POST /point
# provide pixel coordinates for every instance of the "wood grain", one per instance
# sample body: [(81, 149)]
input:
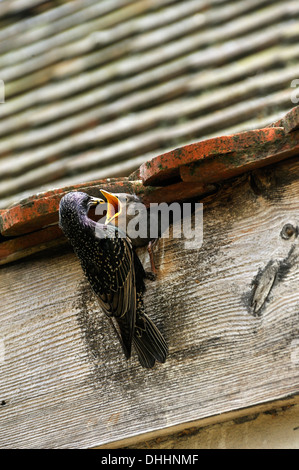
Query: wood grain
[(63, 377), (271, 426)]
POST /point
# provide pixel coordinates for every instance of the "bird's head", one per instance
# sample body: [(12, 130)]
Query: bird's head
[(74, 207), (117, 205)]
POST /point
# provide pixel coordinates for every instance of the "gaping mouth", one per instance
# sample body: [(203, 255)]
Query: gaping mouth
[(114, 206)]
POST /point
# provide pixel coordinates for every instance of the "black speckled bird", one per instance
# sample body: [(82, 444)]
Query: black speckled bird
[(116, 276)]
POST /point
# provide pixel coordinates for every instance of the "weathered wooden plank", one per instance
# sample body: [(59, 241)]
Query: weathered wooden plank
[(64, 380), (271, 426)]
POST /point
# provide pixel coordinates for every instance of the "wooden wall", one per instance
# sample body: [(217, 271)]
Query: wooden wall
[(228, 309)]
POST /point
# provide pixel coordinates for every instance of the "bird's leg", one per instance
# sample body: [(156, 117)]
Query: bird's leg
[(153, 273)]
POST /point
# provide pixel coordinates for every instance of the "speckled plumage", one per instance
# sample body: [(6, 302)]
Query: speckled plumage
[(116, 275)]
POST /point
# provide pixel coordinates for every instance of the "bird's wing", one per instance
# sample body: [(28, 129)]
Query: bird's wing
[(111, 273)]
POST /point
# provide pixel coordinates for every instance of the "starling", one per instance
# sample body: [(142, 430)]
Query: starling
[(116, 276)]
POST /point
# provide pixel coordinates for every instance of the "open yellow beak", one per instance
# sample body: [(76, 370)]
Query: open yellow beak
[(114, 206)]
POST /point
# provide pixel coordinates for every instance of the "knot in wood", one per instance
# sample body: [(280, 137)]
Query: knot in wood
[(288, 231)]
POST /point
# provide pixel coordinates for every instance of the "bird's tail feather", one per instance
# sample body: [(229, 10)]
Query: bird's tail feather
[(149, 343)]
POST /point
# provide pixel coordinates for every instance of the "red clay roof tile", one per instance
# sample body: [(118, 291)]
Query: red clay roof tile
[(183, 173)]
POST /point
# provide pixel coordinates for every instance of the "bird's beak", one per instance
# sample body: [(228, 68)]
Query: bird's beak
[(114, 206), (94, 201)]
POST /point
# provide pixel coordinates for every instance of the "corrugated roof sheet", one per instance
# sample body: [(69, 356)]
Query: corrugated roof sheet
[(93, 89)]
